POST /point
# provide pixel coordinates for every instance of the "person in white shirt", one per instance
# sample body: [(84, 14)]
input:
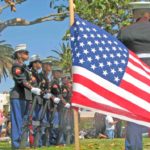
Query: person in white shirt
[(110, 126)]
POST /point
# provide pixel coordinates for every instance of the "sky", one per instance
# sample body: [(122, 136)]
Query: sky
[(40, 38)]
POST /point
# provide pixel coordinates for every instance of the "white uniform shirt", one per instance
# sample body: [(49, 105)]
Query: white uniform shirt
[(109, 120)]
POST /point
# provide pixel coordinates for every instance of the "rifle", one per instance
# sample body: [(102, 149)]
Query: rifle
[(28, 126), (39, 127)]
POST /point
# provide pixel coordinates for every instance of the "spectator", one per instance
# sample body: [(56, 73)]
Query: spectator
[(110, 126)]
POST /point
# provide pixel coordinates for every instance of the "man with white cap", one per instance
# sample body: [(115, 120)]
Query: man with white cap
[(137, 38), (21, 93)]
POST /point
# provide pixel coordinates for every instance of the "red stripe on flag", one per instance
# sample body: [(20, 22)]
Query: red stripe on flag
[(140, 61), (137, 91), (138, 76), (80, 99), (110, 96)]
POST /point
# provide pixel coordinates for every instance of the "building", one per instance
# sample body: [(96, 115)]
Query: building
[(4, 101)]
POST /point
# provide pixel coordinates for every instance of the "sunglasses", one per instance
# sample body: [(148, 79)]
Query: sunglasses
[(25, 52)]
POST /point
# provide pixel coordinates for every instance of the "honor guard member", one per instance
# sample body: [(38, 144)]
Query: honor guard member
[(21, 93), (136, 37), (66, 115), (35, 66), (47, 68), (57, 75)]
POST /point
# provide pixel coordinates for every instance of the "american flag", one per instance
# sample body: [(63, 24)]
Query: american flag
[(107, 77)]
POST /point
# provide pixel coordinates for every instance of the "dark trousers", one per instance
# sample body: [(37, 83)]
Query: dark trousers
[(133, 137), (18, 111)]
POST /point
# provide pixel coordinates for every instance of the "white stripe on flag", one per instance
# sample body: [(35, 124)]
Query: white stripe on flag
[(138, 70), (112, 87), (94, 96), (113, 115), (144, 87), (139, 62)]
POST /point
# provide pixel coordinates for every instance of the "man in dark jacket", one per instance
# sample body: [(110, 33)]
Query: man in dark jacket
[(136, 37)]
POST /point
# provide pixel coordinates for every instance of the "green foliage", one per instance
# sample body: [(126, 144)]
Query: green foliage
[(63, 58), (105, 13), (110, 14), (6, 52)]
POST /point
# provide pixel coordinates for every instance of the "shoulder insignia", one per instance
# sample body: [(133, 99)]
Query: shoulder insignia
[(18, 71)]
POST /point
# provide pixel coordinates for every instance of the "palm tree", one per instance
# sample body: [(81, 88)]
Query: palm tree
[(6, 52), (63, 58)]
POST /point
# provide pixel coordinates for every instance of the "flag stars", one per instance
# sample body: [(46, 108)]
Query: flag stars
[(78, 54), (114, 48), (101, 65), (97, 57), (78, 23), (96, 42), (107, 49), (112, 55), (109, 63), (123, 61), (89, 59), (98, 35), (81, 44), (81, 29), (89, 43), (116, 43), (85, 51), (76, 48), (78, 38), (116, 79), (120, 48), (110, 42), (104, 56), (105, 73), (81, 61), (93, 67), (120, 69), (100, 49), (113, 71), (94, 29), (105, 36), (88, 29), (92, 36), (93, 50), (118, 55), (103, 42), (125, 55), (73, 38), (125, 50), (116, 62), (99, 52), (85, 36), (75, 29), (84, 23)]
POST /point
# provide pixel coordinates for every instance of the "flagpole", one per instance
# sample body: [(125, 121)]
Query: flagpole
[(76, 120)]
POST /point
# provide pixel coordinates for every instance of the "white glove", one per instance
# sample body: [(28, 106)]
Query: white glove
[(36, 91), (56, 100), (67, 105), (47, 95)]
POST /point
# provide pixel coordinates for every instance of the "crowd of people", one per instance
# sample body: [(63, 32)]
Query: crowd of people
[(41, 114)]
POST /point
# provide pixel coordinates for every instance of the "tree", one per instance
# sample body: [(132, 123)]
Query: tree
[(60, 15), (63, 58), (110, 14), (6, 52)]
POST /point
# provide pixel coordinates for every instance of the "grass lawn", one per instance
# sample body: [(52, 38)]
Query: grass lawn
[(88, 144)]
